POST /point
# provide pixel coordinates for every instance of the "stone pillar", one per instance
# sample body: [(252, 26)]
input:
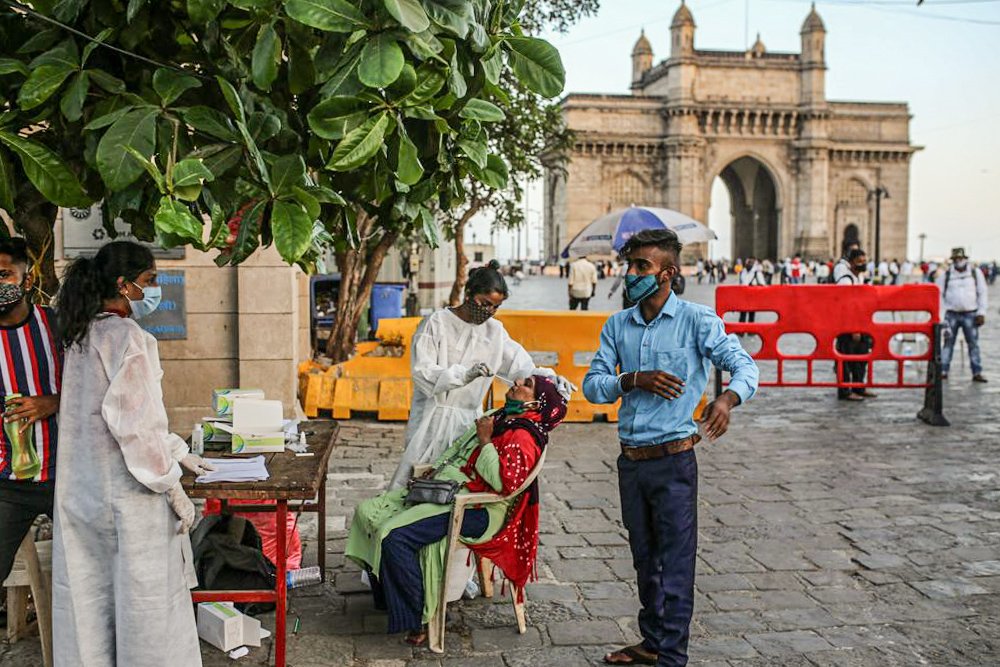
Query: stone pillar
[(812, 225), (268, 323)]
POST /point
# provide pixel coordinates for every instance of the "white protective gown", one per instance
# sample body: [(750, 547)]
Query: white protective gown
[(445, 347), (120, 572)]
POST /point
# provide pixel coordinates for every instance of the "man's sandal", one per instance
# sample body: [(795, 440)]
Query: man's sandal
[(631, 655)]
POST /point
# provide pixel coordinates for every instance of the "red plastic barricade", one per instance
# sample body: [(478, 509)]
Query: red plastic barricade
[(828, 311)]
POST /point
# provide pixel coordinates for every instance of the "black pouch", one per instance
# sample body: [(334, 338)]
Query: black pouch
[(434, 491)]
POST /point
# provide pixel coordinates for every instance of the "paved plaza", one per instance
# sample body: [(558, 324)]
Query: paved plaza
[(831, 534)]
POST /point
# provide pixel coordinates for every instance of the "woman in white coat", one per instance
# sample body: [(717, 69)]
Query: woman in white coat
[(456, 353), (121, 569)]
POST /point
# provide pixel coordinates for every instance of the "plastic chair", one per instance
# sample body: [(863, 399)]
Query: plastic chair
[(436, 626), (32, 572)]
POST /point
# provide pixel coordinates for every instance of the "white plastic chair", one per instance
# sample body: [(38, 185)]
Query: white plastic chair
[(31, 573), (455, 557)]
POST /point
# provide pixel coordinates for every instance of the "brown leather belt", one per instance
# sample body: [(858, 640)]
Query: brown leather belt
[(659, 451)]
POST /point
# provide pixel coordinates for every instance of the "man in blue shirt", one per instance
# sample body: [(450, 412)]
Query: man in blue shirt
[(656, 357)]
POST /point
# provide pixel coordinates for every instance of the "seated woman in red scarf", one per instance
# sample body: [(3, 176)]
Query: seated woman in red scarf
[(403, 547)]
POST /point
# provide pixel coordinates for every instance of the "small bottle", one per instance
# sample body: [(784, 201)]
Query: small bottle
[(307, 576), (198, 440), (302, 441)]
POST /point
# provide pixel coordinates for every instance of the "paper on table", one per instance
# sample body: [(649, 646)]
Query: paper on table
[(235, 470)]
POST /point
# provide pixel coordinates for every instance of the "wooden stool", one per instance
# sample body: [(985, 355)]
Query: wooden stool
[(32, 573)]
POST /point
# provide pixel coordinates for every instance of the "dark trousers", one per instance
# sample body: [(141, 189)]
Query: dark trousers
[(583, 303), (20, 504), (660, 511), (854, 371), (400, 584), (748, 315)]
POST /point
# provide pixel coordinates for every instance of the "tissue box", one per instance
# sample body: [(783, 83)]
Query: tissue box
[(222, 399), (257, 428), (213, 433), (225, 628)]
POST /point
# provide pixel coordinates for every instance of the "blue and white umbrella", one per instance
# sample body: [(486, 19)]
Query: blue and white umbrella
[(607, 234)]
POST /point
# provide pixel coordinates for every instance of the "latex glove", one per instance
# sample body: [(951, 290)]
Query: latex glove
[(565, 387), (479, 370), (182, 507), (196, 464)]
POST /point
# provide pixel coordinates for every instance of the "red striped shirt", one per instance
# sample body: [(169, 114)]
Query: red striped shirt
[(31, 365)]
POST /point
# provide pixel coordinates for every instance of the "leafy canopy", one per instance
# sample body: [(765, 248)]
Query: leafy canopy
[(269, 121)]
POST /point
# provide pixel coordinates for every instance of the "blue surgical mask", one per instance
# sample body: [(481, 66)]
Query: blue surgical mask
[(638, 288), (150, 301)]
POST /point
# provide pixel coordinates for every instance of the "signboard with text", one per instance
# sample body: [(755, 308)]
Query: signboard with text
[(169, 321), (84, 234)]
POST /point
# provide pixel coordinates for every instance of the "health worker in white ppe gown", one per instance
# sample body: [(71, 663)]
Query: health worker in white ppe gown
[(456, 353), (121, 566)]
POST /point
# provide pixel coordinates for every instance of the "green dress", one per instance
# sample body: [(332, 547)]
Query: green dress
[(376, 517)]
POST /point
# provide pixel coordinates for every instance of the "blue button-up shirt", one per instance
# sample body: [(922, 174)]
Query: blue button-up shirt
[(684, 339)]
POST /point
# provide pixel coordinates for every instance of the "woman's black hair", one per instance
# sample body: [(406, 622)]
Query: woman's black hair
[(89, 282), (486, 279)]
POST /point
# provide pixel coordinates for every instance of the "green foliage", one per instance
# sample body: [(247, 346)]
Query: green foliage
[(302, 123)]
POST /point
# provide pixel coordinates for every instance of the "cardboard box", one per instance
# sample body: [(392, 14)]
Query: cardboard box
[(212, 431), (223, 627), (222, 399), (257, 428)]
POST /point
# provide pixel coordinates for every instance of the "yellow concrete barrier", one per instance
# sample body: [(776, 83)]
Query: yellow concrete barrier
[(377, 378)]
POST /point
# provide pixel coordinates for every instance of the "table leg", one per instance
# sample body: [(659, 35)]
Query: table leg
[(322, 529), (280, 588)]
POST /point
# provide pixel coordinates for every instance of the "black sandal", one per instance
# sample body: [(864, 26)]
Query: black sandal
[(634, 655)]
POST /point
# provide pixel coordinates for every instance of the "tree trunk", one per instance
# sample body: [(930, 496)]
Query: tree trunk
[(35, 218), (461, 261), (358, 270)]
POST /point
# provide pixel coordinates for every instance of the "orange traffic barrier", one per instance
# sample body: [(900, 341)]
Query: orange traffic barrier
[(377, 378)]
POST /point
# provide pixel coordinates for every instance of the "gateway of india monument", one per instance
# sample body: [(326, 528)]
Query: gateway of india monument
[(801, 170)]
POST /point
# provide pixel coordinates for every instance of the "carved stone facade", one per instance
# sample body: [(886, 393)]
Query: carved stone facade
[(799, 168)]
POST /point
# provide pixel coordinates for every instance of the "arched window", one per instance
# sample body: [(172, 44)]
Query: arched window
[(852, 193), (626, 189)]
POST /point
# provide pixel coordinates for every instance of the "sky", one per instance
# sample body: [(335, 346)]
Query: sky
[(941, 58)]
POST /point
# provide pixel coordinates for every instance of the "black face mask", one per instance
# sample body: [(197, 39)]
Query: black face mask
[(10, 296), (478, 314)]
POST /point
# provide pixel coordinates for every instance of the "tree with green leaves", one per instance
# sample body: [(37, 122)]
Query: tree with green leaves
[(228, 125), (532, 128)]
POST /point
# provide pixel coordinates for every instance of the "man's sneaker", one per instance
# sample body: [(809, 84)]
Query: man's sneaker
[(944, 376), (978, 377)]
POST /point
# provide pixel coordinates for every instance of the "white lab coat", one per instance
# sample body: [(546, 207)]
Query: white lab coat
[(445, 347), (120, 572)]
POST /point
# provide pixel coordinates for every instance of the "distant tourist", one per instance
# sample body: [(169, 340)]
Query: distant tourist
[(963, 299), (582, 283), (855, 372)]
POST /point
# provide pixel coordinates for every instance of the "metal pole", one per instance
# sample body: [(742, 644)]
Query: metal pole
[(878, 226), (922, 237)]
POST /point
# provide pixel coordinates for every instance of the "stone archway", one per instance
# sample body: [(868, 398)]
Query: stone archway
[(753, 196)]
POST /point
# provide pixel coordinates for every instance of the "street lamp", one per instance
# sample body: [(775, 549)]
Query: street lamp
[(879, 193)]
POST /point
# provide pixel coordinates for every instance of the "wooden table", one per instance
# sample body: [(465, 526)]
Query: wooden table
[(293, 478)]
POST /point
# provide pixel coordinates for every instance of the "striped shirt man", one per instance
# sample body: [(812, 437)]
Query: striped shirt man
[(31, 365)]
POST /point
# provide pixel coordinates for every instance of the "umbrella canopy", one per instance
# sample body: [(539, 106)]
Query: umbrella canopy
[(607, 234)]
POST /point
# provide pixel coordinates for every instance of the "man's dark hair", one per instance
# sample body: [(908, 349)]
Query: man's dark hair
[(664, 239), (16, 249), (855, 253)]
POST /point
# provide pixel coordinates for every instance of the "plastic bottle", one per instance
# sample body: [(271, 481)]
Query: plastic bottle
[(307, 576), (198, 440), (24, 463)]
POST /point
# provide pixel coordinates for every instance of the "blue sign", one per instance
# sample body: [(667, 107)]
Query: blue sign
[(169, 321)]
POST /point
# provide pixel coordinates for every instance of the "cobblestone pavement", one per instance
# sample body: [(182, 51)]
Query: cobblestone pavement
[(830, 534)]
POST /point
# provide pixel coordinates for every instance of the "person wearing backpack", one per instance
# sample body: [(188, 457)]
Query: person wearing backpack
[(963, 306)]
